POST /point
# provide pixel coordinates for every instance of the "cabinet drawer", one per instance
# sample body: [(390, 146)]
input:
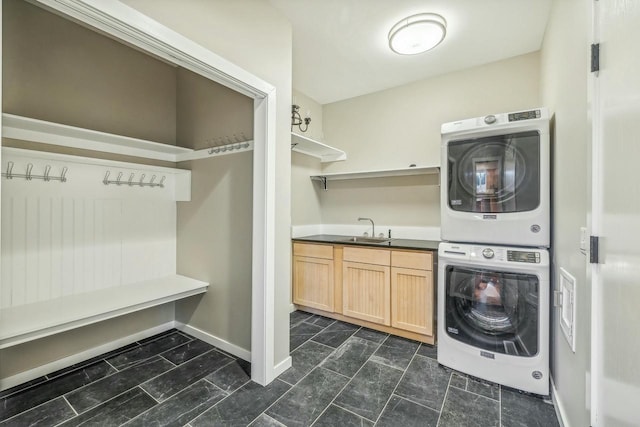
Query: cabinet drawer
[(367, 256), (416, 260), (313, 251)]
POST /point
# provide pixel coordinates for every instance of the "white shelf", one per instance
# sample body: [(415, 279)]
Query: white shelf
[(311, 147), (381, 173), (33, 321), (34, 130)]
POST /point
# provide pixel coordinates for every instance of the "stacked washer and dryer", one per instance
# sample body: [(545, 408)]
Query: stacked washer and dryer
[(493, 274)]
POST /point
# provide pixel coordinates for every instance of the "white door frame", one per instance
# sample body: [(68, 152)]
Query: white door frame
[(134, 28)]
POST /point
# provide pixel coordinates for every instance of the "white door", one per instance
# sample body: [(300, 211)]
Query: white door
[(616, 215)]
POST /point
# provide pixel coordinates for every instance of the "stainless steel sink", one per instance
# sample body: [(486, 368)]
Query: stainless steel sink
[(361, 239)]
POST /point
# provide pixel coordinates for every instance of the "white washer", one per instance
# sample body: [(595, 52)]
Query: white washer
[(493, 313), (495, 179)]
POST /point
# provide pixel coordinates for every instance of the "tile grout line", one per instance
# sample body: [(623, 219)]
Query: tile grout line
[(350, 379), (476, 394), (109, 363), (350, 411), (72, 408), (317, 366), (444, 400), (399, 381)]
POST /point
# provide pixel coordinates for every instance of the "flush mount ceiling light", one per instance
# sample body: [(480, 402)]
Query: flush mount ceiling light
[(417, 33)]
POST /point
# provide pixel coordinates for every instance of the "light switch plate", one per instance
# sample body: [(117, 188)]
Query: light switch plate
[(584, 238)]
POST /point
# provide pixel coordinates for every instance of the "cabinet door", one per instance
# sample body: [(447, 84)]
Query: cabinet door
[(412, 300), (313, 282), (366, 292)]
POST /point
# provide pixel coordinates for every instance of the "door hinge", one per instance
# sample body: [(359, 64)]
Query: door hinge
[(595, 57), (594, 249)]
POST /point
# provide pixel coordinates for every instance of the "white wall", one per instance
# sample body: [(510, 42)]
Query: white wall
[(401, 126), (255, 36), (564, 70), (305, 195)]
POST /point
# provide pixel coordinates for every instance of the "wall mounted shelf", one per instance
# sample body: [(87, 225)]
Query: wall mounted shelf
[(34, 130), (381, 173), (311, 147)]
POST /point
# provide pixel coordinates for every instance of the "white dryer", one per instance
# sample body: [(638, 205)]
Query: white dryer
[(495, 179), (493, 313)]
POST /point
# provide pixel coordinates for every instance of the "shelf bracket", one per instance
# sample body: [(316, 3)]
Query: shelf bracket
[(324, 182)]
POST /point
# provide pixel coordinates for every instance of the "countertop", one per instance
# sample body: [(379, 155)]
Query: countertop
[(431, 245)]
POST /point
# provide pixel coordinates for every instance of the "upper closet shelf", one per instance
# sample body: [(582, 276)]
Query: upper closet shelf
[(381, 173), (314, 148), (28, 129)]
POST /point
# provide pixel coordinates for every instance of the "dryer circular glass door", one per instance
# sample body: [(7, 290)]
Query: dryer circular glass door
[(493, 310), (495, 174)]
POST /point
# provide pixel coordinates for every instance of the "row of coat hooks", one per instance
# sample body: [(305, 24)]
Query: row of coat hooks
[(226, 143), (30, 176), (130, 182)]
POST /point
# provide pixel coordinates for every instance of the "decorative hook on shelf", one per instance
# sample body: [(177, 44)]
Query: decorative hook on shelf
[(297, 120), (28, 176)]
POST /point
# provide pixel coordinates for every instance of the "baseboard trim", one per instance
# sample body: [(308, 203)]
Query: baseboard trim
[(292, 308), (65, 362), (282, 366), (561, 413), (215, 341)]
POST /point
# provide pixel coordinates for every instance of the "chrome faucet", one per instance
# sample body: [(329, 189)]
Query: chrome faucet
[(373, 226)]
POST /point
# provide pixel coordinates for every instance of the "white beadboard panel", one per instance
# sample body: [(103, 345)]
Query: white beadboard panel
[(61, 239)]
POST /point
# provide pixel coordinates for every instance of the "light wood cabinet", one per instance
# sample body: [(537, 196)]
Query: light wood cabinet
[(385, 289), (366, 292), (313, 276), (412, 291), (412, 300)]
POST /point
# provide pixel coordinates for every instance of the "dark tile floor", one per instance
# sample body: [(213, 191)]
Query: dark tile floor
[(342, 375)]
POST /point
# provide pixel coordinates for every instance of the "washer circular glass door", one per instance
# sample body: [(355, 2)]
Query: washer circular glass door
[(493, 310)]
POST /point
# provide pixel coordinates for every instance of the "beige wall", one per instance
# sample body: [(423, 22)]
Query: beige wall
[(564, 70), (401, 126), (214, 245), (305, 195), (20, 358), (210, 114), (58, 71), (255, 36)]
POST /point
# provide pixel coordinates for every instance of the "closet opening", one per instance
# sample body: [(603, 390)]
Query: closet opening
[(137, 190)]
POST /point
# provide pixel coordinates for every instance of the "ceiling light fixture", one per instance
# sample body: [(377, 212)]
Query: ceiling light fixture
[(417, 33)]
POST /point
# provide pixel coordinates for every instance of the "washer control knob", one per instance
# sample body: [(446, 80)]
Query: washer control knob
[(487, 253), (490, 119)]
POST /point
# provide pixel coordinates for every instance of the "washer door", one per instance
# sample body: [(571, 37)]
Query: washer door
[(496, 174), (493, 310)]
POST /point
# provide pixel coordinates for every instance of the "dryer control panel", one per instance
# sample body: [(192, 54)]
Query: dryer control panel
[(523, 256)]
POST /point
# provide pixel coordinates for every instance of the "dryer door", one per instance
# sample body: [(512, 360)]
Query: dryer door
[(496, 174), (493, 310)]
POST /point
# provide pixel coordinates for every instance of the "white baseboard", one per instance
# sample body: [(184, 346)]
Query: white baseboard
[(292, 308), (215, 341), (561, 413), (56, 365), (282, 366)]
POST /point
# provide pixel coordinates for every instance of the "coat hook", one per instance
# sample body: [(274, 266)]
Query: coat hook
[(153, 178), (9, 169), (47, 169), (141, 180), (162, 181), (29, 169), (131, 179), (119, 178), (106, 178), (63, 175)]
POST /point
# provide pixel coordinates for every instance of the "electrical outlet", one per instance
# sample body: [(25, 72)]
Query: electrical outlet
[(584, 239)]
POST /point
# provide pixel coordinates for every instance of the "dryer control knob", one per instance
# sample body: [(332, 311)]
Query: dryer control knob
[(490, 119), (487, 253)]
